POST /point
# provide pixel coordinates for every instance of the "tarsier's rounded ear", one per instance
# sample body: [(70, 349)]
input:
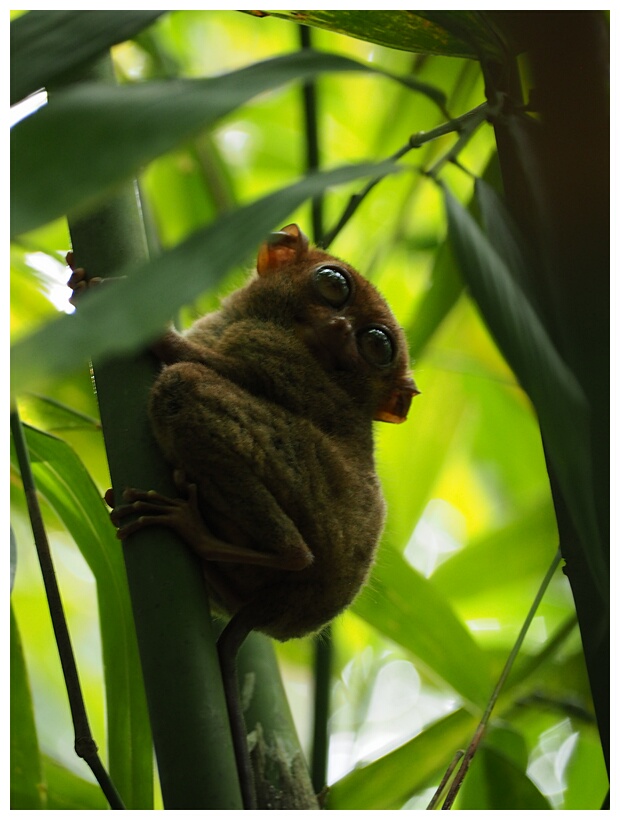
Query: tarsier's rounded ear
[(395, 408), (287, 245)]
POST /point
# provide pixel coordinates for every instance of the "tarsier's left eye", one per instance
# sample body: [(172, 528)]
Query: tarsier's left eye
[(376, 345), (333, 285)]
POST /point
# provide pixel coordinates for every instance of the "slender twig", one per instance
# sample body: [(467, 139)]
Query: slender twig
[(465, 126), (85, 746), (445, 780), (233, 635), (323, 647), (475, 741), (312, 137)]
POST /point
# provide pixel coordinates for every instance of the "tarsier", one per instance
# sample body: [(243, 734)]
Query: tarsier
[(264, 409)]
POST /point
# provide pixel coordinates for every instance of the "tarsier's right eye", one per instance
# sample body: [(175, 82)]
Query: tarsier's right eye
[(333, 285)]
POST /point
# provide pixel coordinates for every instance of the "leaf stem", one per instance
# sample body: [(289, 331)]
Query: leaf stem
[(475, 741)]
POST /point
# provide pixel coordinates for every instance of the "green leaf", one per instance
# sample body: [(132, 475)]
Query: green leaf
[(444, 290), (63, 480), (27, 789), (495, 782), (518, 552), (387, 783), (555, 392), (405, 30), (127, 314), (40, 51), (408, 609), (66, 790), (56, 169)]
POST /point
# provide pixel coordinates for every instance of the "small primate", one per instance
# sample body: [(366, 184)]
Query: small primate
[(264, 410)]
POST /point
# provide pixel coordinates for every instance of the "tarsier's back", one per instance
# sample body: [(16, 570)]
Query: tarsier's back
[(267, 406)]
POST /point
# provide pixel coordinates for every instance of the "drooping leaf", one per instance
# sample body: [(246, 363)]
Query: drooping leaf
[(560, 403), (130, 313), (453, 34), (46, 44), (56, 169), (63, 480), (398, 600)]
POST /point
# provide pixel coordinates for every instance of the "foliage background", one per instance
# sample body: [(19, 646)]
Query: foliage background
[(471, 527)]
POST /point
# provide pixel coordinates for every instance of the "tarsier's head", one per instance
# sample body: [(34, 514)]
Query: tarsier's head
[(342, 319)]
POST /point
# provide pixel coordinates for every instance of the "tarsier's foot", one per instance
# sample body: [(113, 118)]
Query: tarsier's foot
[(180, 514), (183, 515), (78, 282)]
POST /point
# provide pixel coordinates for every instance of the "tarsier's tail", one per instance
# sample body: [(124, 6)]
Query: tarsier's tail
[(233, 635)]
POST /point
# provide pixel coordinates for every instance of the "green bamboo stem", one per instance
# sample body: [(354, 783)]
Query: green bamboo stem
[(182, 678)]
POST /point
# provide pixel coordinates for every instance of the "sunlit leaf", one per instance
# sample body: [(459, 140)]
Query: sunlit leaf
[(387, 783), (517, 553), (398, 602), (27, 790), (66, 790)]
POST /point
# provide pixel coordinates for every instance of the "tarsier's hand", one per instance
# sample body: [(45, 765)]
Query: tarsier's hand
[(78, 281)]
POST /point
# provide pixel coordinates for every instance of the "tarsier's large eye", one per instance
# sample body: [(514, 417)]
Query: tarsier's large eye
[(376, 345), (333, 285)]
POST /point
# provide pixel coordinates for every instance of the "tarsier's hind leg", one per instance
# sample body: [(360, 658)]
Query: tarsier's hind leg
[(214, 430)]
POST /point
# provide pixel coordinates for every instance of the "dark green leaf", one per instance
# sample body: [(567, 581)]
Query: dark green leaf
[(56, 169), (559, 401), (62, 479), (398, 601), (27, 791), (130, 313), (405, 30), (46, 44)]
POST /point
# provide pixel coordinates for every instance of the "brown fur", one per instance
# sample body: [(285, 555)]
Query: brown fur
[(267, 406)]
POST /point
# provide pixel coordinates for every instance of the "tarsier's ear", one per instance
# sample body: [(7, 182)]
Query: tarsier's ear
[(288, 245), (395, 408)]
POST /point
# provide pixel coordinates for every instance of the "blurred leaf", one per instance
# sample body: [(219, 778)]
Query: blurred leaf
[(586, 773), (27, 789), (561, 406), (39, 52), (453, 34), (398, 601), (387, 783), (124, 127), (518, 552), (443, 292), (494, 781), (65, 483), (410, 458), (126, 314), (66, 790)]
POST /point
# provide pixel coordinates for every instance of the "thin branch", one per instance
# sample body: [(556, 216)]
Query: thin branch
[(323, 646), (465, 126), (475, 741), (85, 746)]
